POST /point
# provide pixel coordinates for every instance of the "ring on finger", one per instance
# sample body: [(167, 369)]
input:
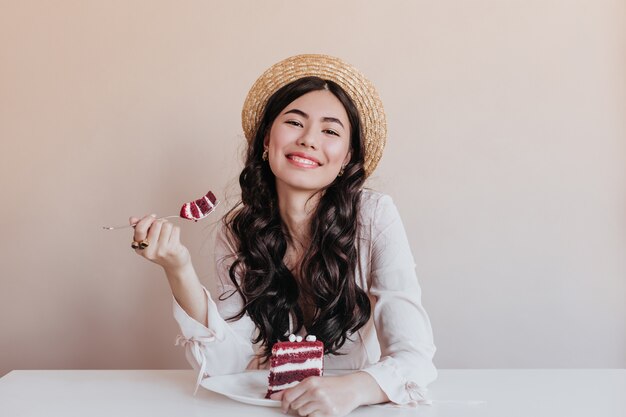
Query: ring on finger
[(144, 244), (134, 245)]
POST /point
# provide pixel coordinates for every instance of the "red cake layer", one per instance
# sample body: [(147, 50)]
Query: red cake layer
[(282, 378), (195, 211)]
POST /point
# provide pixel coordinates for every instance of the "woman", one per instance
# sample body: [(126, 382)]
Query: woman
[(308, 250)]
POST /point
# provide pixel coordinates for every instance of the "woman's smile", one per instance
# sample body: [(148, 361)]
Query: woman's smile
[(303, 160)]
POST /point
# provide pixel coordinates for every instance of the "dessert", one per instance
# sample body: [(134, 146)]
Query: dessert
[(199, 209), (293, 361)]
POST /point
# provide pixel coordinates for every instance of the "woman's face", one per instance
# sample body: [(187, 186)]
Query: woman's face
[(309, 142)]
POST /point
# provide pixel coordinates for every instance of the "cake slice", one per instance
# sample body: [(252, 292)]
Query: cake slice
[(199, 209), (293, 361)]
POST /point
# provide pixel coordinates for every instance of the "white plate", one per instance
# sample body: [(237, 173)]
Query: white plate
[(247, 387)]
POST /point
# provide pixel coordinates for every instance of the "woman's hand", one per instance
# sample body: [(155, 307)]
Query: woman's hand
[(328, 396), (164, 247)]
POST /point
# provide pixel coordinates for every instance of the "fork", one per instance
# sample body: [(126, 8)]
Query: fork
[(135, 224)]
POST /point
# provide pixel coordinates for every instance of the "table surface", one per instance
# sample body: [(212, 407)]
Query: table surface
[(467, 392)]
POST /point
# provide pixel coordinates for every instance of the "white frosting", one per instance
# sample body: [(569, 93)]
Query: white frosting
[(211, 205), (298, 339), (307, 364), (292, 337), (286, 351), (311, 338)]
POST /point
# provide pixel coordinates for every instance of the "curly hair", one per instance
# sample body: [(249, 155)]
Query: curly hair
[(270, 291)]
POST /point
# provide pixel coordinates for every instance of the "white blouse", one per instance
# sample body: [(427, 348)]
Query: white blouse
[(395, 346)]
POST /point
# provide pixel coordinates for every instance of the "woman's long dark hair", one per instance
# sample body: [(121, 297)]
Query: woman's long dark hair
[(269, 290)]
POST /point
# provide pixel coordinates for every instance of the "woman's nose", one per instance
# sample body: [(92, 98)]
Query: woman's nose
[(308, 139)]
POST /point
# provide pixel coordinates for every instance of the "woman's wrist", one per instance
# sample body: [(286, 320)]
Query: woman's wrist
[(184, 283), (180, 273), (188, 291), (366, 389)]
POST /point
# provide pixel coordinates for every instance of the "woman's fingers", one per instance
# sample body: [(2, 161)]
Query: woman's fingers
[(142, 226), (304, 405), (277, 396), (164, 236), (153, 238), (175, 236), (307, 409), (295, 397)]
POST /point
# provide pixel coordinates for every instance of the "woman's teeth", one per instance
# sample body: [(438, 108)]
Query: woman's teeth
[(302, 160)]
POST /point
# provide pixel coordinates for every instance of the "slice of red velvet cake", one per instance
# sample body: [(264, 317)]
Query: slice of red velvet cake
[(199, 209), (293, 361)]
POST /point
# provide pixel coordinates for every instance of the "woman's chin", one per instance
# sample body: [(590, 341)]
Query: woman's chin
[(302, 183)]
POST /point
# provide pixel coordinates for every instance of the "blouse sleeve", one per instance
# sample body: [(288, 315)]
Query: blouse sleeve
[(222, 347), (406, 364)]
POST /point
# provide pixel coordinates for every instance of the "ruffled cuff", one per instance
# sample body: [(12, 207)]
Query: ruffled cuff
[(399, 388), (191, 328), (195, 334)]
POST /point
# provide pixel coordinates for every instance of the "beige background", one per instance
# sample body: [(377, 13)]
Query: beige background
[(506, 158)]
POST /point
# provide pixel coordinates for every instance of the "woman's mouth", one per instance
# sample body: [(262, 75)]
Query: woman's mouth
[(303, 161)]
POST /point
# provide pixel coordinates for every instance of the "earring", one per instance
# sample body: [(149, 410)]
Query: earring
[(265, 154), (341, 171)]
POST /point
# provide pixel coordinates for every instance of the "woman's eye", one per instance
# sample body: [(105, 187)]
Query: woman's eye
[(331, 132), (294, 122)]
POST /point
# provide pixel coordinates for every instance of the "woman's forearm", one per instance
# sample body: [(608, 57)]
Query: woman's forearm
[(188, 292)]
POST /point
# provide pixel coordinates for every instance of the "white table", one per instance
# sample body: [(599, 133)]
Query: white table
[(502, 393)]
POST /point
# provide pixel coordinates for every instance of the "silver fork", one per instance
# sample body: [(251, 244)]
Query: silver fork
[(135, 224)]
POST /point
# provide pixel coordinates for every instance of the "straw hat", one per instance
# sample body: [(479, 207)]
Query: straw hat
[(359, 88)]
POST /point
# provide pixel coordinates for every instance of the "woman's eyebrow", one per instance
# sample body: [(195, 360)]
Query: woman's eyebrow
[(333, 120), (299, 112), (324, 119)]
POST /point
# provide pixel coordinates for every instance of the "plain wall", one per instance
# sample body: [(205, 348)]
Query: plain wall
[(506, 158)]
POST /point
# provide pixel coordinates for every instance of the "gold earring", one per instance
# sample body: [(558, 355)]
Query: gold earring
[(265, 154), (341, 171)]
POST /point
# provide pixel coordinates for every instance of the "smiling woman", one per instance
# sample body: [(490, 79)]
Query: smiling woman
[(314, 208), (308, 145), (308, 250)]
